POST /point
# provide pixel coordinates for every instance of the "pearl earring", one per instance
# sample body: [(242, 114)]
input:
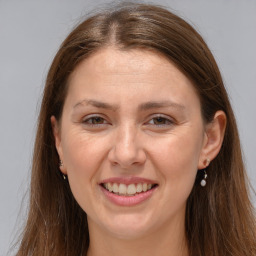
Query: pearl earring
[(203, 181)]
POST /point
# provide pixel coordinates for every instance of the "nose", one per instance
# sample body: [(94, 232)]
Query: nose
[(127, 150)]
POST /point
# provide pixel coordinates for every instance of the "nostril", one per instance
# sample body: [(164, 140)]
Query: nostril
[(126, 155)]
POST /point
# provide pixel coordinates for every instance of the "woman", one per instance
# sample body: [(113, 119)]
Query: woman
[(137, 150)]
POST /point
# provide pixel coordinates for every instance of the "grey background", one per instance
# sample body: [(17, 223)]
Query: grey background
[(31, 32)]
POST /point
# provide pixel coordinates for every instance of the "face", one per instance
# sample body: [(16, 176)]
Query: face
[(131, 139)]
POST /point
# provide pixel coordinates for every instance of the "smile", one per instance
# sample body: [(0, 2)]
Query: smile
[(128, 190)]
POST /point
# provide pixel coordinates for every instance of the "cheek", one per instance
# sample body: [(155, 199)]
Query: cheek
[(176, 162), (176, 158), (83, 157), (82, 151)]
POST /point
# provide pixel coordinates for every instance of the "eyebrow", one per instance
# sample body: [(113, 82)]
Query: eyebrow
[(142, 107), (97, 104), (160, 104)]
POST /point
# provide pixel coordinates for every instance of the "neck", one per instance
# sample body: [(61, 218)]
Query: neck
[(167, 241)]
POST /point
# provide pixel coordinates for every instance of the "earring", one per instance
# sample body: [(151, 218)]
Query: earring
[(61, 165), (203, 181)]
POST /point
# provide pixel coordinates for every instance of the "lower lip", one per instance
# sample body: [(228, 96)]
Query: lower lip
[(128, 200)]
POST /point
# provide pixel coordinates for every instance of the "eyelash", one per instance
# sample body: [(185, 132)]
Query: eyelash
[(167, 121), (89, 121)]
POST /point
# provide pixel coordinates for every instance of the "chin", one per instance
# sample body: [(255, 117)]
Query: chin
[(128, 232), (128, 226)]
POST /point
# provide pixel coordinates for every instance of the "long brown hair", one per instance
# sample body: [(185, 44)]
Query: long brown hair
[(219, 217)]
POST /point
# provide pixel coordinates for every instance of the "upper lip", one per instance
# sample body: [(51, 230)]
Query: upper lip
[(128, 180)]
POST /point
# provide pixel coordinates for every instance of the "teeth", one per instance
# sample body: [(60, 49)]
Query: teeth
[(109, 187), (127, 190), (122, 189), (139, 188), (115, 188), (131, 190)]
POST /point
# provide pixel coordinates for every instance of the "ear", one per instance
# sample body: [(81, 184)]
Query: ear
[(213, 138), (58, 145)]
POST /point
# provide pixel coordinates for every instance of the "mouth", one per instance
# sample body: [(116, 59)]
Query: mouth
[(128, 190)]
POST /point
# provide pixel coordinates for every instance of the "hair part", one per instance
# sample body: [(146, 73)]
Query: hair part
[(219, 217)]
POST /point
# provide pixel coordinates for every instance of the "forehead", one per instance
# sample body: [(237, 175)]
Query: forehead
[(133, 74), (111, 61)]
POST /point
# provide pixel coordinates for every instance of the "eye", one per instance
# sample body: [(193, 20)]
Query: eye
[(160, 121), (95, 121)]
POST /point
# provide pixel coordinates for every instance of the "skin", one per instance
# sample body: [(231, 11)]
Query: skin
[(166, 144)]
